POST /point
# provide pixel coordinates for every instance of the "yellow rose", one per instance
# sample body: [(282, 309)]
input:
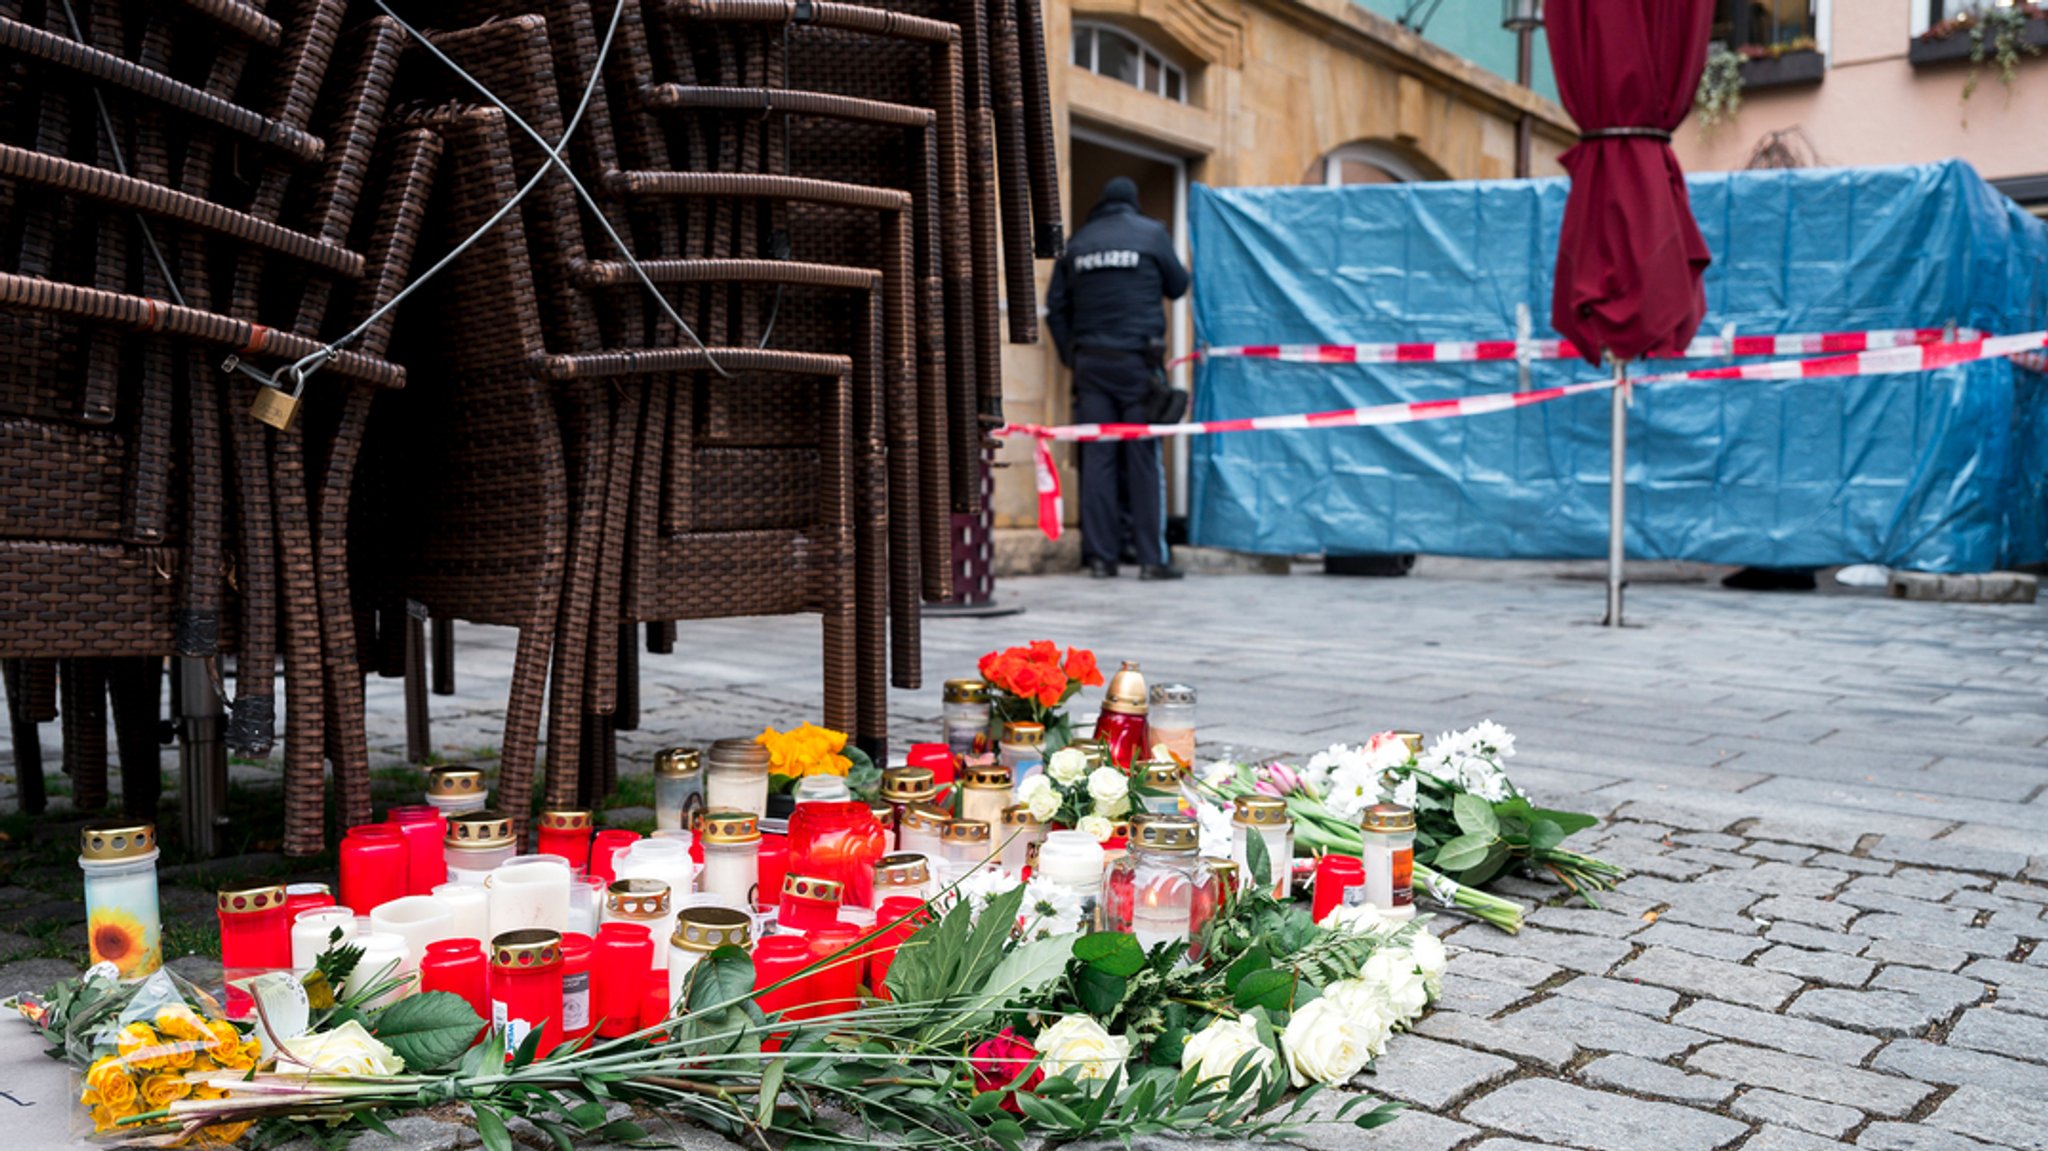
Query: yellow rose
[(106, 1118), (181, 1022), (234, 1057), (224, 1034), (226, 1132), (207, 1091), (135, 1039), (159, 1090), (109, 1077)]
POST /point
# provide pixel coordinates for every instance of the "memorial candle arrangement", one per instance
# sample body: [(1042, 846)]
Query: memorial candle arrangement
[(624, 954), (417, 919), (124, 926), (1022, 748), (1073, 861), (922, 829), (809, 903), (965, 716), (645, 902), (567, 834), (470, 904), (605, 847), (1121, 724), (306, 896), (529, 893), (899, 875), (840, 842), (1021, 834), (1159, 787), (1171, 721), (904, 788), (314, 930), (1388, 855), (985, 794), (255, 937), (577, 1021), (1265, 817), (425, 830)]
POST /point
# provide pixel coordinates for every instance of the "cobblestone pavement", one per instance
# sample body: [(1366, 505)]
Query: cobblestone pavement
[(1834, 807)]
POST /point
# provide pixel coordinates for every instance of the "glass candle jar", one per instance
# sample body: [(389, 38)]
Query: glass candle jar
[(1159, 786), (382, 963), (808, 903), (840, 842), (904, 874), (1022, 749), (699, 932), (732, 845), (477, 841), (313, 933), (526, 987), (1096, 751), (821, 789), (124, 925), (1021, 834), (736, 777), (586, 903), (624, 956), (938, 759), (470, 904), (458, 967), (678, 788), (1121, 723), (778, 958), (567, 834), (965, 842), (986, 793), (374, 867), (577, 1021), (1389, 859), (835, 948), (604, 849), (965, 716), (897, 919), (1340, 880), (1219, 888), (533, 893), (1266, 817), (255, 937), (648, 903), (1073, 861), (921, 829), (457, 790), (424, 829), (904, 788), (306, 896), (1171, 721), (771, 863), (417, 919), (1152, 888)]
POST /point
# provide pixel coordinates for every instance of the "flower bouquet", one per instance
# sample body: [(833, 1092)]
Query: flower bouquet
[(807, 750), (1032, 683), (1068, 794)]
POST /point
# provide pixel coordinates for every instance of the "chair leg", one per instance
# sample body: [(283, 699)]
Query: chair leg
[(524, 707), (626, 712), (661, 637), (419, 743), (136, 687), (83, 689), (28, 739), (442, 631)]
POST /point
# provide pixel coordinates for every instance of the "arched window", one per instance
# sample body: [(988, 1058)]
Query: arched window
[(1107, 50), (1364, 163)]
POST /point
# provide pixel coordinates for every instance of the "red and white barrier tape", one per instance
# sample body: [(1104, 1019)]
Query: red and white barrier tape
[(1493, 351), (1886, 361)]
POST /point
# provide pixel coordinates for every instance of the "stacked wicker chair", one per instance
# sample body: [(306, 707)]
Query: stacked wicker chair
[(183, 184)]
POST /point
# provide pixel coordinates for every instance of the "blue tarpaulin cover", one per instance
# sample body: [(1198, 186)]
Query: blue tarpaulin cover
[(1941, 471)]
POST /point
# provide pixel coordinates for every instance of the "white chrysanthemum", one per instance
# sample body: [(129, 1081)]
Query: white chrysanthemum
[(1220, 774), (1215, 828), (1404, 791), (982, 885), (1492, 737), (1353, 787), (1049, 910)]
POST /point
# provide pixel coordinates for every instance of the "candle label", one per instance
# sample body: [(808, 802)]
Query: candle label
[(576, 1001), (1404, 877), (516, 1030)]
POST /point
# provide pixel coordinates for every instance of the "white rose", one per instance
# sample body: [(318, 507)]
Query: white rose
[(1430, 959), (1106, 785), (1358, 919), (1067, 765), (1038, 794), (1393, 970), (1114, 810), (346, 1050), (1217, 1048), (1367, 1009), (1323, 1045), (1098, 826), (1079, 1045)]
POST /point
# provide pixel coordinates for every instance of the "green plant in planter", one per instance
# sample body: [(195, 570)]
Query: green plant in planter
[(1720, 92), (1999, 36)]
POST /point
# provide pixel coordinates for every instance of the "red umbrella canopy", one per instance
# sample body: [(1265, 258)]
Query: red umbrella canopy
[(1630, 258)]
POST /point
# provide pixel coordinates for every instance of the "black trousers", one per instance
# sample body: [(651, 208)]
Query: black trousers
[(1110, 388)]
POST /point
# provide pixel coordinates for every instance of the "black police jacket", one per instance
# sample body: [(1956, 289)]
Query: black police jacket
[(1107, 286)]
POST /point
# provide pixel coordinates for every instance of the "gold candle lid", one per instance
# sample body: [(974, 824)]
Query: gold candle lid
[(737, 752), (1174, 693), (1025, 732), (731, 827), (966, 691), (1126, 692), (479, 829), (706, 929), (1096, 750), (676, 762), (902, 870), (994, 777), (884, 811), (909, 784), (1264, 810), (1167, 833), (637, 898), (111, 840), (1162, 774), (1222, 868), (1386, 817), (527, 949), (246, 900), (811, 887), (1019, 815), (454, 782), (1413, 739), (925, 817), (964, 831), (566, 821)]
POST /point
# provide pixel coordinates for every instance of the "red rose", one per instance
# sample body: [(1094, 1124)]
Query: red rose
[(999, 1065), (1081, 666), (1026, 680)]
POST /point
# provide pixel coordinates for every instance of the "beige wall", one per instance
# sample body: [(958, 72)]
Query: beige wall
[(1875, 108), (1276, 84)]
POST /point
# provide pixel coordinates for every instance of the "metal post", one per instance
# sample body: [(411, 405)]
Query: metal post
[(1617, 493), (202, 757), (1525, 125)]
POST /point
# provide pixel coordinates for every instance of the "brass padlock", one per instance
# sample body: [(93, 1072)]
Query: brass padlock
[(275, 406)]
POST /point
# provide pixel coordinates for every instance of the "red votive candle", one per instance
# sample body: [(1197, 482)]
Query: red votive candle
[(624, 954), (777, 958), (305, 897), (458, 967), (840, 842), (882, 949), (255, 936), (526, 986), (654, 1004), (604, 849), (375, 866), (1334, 873), (938, 758), (567, 834), (425, 830), (576, 989), (836, 983), (809, 903), (771, 865)]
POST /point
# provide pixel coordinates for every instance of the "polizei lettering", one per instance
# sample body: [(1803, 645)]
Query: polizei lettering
[(1113, 258)]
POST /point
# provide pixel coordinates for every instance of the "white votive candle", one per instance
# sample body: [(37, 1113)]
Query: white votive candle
[(469, 903), (529, 895), (417, 919), (383, 960), (314, 928)]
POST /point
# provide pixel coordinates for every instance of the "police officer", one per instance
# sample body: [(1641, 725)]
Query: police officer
[(1103, 309)]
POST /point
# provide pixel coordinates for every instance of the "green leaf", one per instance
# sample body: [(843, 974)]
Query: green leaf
[(1497, 858), (588, 1116), (1252, 960), (1111, 952), (722, 977), (771, 1086), (1009, 1133), (429, 1030), (1098, 993), (1475, 816), (529, 1048), (490, 1127), (1462, 852), (624, 1131), (1271, 988), (1258, 862), (986, 1103), (556, 1133), (1025, 971), (1545, 834)]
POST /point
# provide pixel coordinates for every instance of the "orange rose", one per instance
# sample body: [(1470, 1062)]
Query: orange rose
[(1044, 651), (1081, 666), (1052, 688), (1024, 680)]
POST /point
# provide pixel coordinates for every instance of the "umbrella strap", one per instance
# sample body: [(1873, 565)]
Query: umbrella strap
[(1623, 133)]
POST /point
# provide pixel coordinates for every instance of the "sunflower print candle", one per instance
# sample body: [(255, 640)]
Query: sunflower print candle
[(123, 926)]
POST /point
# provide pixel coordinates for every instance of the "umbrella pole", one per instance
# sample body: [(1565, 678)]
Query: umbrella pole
[(1617, 493)]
